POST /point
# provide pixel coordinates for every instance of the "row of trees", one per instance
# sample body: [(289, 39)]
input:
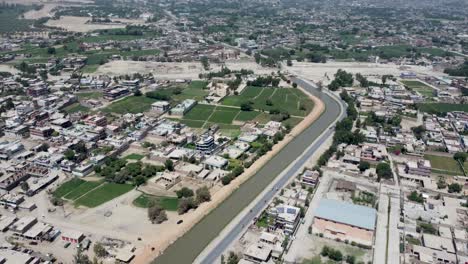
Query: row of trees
[(342, 79)]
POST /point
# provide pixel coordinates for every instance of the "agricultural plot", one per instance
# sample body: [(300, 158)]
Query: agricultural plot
[(102, 194), (168, 203), (76, 107), (434, 108), (88, 95), (82, 189), (445, 165), (131, 104), (419, 87), (67, 187), (288, 100)]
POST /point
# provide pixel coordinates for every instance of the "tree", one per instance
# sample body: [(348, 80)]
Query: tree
[(69, 154), (350, 259), (454, 187), (232, 258), (247, 106), (184, 193), (460, 156), (203, 195), (99, 250), (81, 258), (24, 186), (51, 50), (416, 197), (384, 171), (140, 180), (137, 93), (186, 204), (156, 213), (169, 165), (363, 165), (205, 63), (294, 85)]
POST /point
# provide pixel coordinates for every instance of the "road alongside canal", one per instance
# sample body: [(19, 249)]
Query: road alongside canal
[(188, 247)]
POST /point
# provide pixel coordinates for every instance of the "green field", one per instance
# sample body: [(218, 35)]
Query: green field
[(442, 164), (168, 203), (82, 189), (131, 104), (134, 156), (434, 108), (10, 20), (76, 107), (283, 99), (419, 87), (102, 194), (67, 187), (89, 95)]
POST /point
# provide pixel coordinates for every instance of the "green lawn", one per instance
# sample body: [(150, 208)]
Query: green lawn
[(76, 107), (82, 189), (198, 85), (419, 87), (168, 203), (434, 108), (200, 112), (89, 95), (103, 194), (10, 20), (67, 187), (283, 99), (223, 115), (442, 163), (246, 115), (131, 104), (134, 156)]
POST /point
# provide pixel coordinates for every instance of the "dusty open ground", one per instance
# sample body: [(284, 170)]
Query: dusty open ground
[(8, 68), (320, 71), (174, 70), (45, 11), (78, 24)]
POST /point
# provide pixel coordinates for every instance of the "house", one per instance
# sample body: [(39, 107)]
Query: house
[(215, 162), (421, 167), (206, 143), (310, 177), (285, 217), (160, 106), (73, 236), (345, 221), (182, 108)]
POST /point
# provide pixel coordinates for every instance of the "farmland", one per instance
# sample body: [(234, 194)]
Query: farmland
[(76, 107), (168, 203), (419, 87), (102, 194), (90, 193), (289, 100), (445, 165), (434, 108), (131, 104)]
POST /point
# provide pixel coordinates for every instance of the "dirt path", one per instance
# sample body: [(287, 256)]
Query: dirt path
[(146, 254)]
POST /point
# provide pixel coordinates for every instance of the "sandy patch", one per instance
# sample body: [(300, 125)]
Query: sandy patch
[(174, 70), (78, 24), (8, 68), (169, 235), (320, 71), (45, 11)]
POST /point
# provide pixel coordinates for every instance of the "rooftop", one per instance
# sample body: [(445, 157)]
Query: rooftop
[(346, 213)]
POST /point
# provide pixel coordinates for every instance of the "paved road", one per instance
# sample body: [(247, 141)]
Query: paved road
[(265, 197), (188, 247)]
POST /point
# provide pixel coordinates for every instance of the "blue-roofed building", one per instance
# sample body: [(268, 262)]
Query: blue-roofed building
[(345, 221)]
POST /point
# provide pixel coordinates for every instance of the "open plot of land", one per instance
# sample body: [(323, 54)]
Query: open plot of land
[(67, 187), (79, 24), (419, 87), (288, 100), (434, 108), (134, 156), (102, 194), (131, 104), (89, 95), (82, 189), (445, 164), (76, 107), (168, 203)]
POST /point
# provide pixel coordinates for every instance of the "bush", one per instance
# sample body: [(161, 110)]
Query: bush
[(184, 193)]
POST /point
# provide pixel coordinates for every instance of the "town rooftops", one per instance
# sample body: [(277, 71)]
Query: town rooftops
[(346, 213)]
